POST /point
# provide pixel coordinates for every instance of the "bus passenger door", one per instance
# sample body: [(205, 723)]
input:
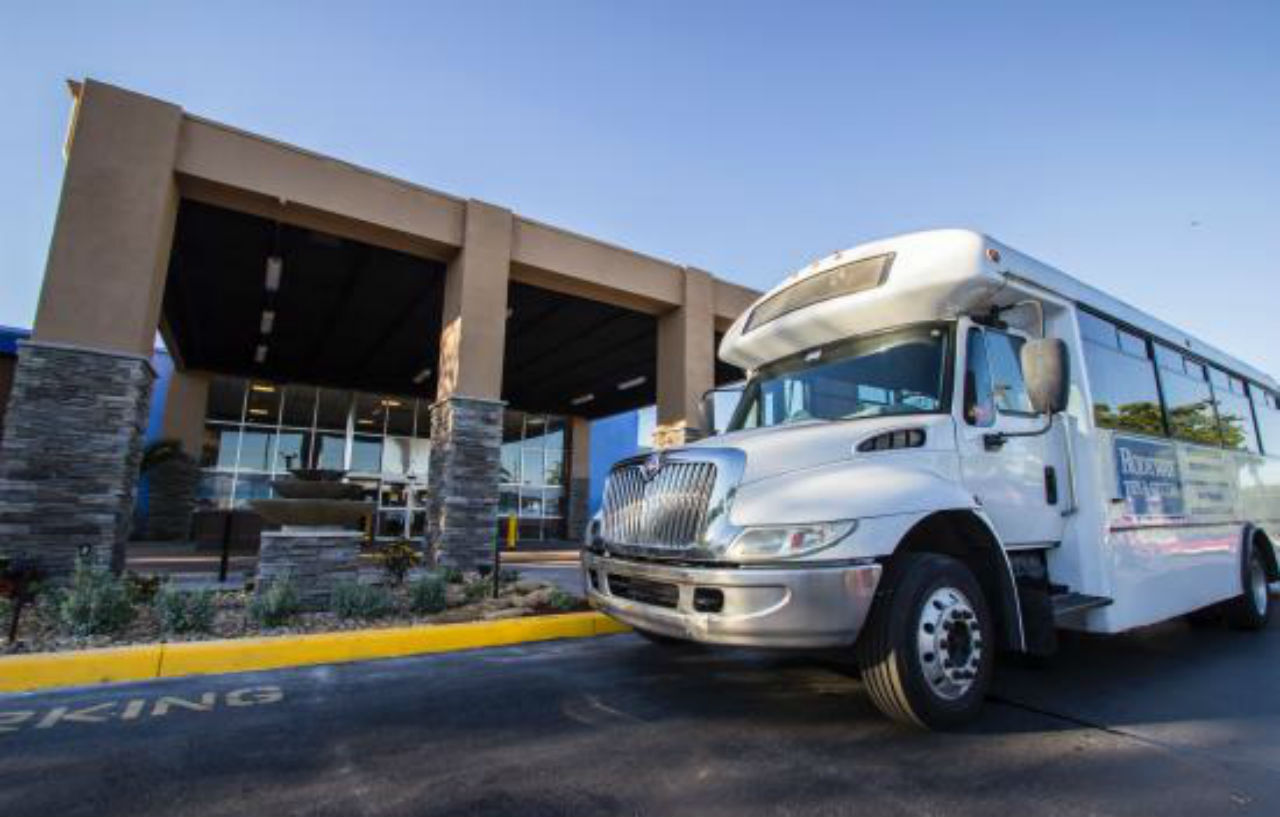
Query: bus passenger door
[(1020, 481)]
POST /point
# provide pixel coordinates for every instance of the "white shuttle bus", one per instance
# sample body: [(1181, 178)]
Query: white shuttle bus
[(944, 448)]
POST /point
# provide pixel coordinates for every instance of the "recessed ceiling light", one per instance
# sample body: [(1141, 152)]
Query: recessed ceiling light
[(632, 383), (582, 399), (264, 388), (422, 375), (261, 412), (268, 321), (275, 269), (260, 354)]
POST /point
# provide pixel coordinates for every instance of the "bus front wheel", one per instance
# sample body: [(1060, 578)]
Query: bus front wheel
[(927, 651)]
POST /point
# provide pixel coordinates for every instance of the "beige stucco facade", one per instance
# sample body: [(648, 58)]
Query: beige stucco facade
[(136, 166), (132, 157)]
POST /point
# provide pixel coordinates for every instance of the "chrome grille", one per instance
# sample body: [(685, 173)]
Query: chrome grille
[(668, 511)]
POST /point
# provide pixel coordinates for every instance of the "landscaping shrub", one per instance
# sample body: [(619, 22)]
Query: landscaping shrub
[(95, 603), (452, 575), (275, 605), (508, 575), (353, 600), (478, 589), (142, 589), (558, 599), (184, 612), (398, 558), (428, 595)]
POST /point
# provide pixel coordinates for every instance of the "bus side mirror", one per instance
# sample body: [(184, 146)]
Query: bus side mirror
[(1047, 372)]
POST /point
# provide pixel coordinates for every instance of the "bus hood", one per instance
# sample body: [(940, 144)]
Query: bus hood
[(809, 444)]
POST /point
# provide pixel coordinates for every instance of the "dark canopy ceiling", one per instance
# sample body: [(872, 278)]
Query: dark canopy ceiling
[(351, 315), (347, 314)]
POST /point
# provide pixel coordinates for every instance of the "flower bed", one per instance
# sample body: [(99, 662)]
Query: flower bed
[(142, 611)]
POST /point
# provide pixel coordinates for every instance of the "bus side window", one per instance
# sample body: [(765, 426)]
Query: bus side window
[(979, 401)]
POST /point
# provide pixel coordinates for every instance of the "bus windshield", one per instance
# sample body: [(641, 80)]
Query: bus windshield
[(902, 371)]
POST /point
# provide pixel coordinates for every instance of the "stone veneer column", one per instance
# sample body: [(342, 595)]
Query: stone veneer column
[(70, 453), (462, 506)]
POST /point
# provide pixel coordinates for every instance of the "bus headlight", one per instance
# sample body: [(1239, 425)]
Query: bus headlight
[(786, 541)]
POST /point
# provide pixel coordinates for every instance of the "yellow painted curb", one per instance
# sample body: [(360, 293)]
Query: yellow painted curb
[(21, 673)]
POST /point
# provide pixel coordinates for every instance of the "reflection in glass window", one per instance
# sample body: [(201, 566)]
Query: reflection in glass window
[(263, 406), (366, 454), (395, 455), (330, 451), (1122, 380), (1006, 373), (331, 413), (979, 403), (226, 399), (1267, 409), (292, 449), (1188, 399), (255, 450), (1235, 420), (299, 407), (220, 446)]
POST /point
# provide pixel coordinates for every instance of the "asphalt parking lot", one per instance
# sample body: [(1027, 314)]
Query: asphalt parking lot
[(1172, 721)]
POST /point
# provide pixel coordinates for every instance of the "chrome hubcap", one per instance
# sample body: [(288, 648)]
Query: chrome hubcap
[(1258, 582), (949, 643)]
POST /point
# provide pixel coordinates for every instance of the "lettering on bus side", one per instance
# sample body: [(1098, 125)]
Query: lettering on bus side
[(1149, 477)]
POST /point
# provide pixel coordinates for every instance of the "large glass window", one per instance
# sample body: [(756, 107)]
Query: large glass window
[(533, 454), (1122, 378), (1188, 398), (902, 371), (256, 431)]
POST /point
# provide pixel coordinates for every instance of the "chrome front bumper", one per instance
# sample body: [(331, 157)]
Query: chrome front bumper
[(807, 605)]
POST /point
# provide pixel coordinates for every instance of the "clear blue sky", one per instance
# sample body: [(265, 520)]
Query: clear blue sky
[(1135, 145)]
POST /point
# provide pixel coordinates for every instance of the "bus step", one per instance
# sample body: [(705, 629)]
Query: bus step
[(1065, 604)]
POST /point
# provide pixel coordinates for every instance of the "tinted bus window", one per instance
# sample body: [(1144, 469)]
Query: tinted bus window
[(1266, 407), (1122, 379), (1235, 416), (1188, 399)]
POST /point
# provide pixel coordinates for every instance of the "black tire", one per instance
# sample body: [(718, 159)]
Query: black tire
[(1252, 609), (894, 659)]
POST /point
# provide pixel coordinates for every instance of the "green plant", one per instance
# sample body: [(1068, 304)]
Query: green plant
[(354, 600), (428, 594), (142, 589), (184, 611), (398, 558), (452, 575), (558, 599), (274, 603), (476, 590), (508, 575), (95, 603)]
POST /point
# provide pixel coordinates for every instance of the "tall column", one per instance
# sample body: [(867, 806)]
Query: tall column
[(686, 362), (82, 387), (466, 419), (171, 485), (579, 478)]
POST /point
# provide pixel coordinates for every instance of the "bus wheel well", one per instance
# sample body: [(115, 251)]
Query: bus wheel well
[(1259, 539), (962, 535)]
